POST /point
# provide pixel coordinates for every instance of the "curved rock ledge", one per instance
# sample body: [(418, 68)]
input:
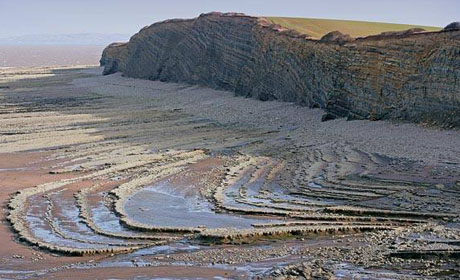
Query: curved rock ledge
[(16, 218), (236, 170), (328, 192), (123, 192), (388, 213), (82, 203), (19, 203), (245, 236)]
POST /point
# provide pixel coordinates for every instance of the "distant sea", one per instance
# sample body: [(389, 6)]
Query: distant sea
[(49, 55)]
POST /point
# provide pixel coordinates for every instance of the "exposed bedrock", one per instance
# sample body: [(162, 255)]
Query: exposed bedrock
[(411, 75)]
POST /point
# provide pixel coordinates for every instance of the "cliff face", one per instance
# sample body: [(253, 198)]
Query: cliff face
[(411, 76)]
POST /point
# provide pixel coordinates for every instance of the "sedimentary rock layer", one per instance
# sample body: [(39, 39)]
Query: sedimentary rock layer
[(410, 76), (132, 174)]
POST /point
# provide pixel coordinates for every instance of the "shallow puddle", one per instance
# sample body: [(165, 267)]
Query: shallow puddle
[(159, 206)]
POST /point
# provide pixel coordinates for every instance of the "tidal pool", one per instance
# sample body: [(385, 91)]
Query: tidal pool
[(163, 206)]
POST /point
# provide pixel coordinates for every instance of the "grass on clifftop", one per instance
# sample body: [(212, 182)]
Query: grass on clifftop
[(317, 28)]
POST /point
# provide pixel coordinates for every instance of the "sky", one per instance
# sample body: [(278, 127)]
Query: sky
[(24, 17)]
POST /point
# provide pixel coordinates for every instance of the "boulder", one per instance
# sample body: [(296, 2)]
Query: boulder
[(452, 26), (336, 37)]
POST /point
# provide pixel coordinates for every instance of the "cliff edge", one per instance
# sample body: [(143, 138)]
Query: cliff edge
[(413, 75)]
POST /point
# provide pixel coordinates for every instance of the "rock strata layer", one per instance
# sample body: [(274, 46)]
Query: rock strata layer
[(412, 76)]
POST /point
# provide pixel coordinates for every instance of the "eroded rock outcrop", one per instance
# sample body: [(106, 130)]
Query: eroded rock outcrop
[(395, 34), (452, 26), (112, 56), (337, 37), (411, 75)]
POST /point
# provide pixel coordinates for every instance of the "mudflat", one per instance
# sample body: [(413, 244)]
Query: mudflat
[(113, 177), (48, 55)]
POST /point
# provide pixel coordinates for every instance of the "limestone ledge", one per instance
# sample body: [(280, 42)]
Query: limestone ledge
[(411, 75)]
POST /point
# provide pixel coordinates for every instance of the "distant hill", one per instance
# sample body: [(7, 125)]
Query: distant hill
[(317, 28), (65, 39)]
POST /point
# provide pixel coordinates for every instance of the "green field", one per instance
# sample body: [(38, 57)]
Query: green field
[(317, 28)]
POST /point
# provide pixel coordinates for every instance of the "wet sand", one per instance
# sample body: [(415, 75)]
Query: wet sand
[(129, 178), (49, 55)]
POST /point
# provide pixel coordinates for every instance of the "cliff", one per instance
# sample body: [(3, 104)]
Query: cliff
[(412, 75)]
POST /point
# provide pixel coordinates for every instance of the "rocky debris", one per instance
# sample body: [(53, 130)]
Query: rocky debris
[(328, 117), (395, 34), (220, 14), (314, 269), (381, 212), (384, 249), (336, 37), (231, 255), (378, 77), (230, 236), (452, 26)]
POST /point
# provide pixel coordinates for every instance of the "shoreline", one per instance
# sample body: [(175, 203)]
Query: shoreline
[(343, 192)]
